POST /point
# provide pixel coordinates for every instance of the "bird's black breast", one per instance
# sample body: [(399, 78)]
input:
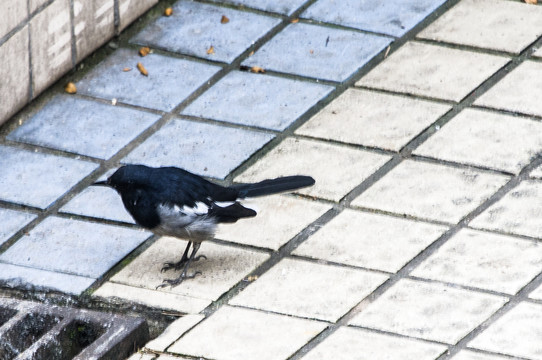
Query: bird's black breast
[(142, 206)]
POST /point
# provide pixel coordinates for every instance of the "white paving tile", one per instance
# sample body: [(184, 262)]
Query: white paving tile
[(471, 355), (488, 139), (430, 191), (429, 311), (174, 331), (433, 71), (485, 260), (373, 119), (370, 240)]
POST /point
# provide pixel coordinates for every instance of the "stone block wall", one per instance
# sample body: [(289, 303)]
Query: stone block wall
[(40, 40)]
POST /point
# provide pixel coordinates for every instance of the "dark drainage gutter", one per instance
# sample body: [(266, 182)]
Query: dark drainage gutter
[(35, 331)]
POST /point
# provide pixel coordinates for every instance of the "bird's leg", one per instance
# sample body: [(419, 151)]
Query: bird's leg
[(179, 264), (184, 275)]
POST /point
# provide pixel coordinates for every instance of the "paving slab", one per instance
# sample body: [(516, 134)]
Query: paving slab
[(395, 17), (170, 80), (514, 91), (24, 173), (151, 297), (471, 355), (516, 333), (518, 212), (488, 139), (330, 165), (538, 52), (318, 52), (373, 119), (536, 293), (431, 191), (310, 290), (286, 7), (433, 71), (351, 344), (279, 219), (174, 331), (484, 260), (98, 202), (371, 241), (224, 267), (12, 221), (257, 100), (514, 25), (83, 127), (73, 246), (428, 311), (31, 278), (194, 27), (246, 335), (201, 148), (536, 172)]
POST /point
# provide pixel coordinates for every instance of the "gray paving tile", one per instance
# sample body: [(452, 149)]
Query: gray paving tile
[(392, 17), (471, 355), (169, 82), (194, 27), (538, 52), (318, 52), (492, 24), (201, 148), (257, 100), (98, 202), (24, 173), (83, 127), (73, 246), (279, 6), (25, 277), (11, 221)]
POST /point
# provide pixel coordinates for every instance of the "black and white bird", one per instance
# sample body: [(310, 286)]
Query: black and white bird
[(174, 202)]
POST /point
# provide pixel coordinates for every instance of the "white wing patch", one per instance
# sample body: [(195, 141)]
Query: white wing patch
[(199, 209), (224, 204)]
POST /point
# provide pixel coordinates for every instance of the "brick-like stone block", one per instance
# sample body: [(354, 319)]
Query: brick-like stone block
[(51, 48), (94, 23), (15, 83), (129, 10), (17, 11)]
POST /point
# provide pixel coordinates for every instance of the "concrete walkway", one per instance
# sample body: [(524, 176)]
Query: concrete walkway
[(421, 121)]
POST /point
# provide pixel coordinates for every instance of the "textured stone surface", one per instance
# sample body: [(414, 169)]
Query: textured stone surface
[(538, 52), (204, 149), (453, 73), (224, 267), (318, 52), (493, 24), (194, 27), (24, 173), (310, 290), (488, 139), (17, 10), (430, 191), (370, 240), (73, 247), (373, 119), (83, 127), (428, 311), (246, 334), (169, 82), (257, 100), (471, 355), (279, 6), (518, 212), (130, 10), (11, 221), (279, 219), (93, 25), (516, 333), (175, 330), (394, 17), (15, 83), (514, 91), (51, 43), (329, 164), (484, 260), (351, 344)]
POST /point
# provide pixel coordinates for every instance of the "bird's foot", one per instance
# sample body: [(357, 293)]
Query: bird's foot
[(177, 281), (180, 264)]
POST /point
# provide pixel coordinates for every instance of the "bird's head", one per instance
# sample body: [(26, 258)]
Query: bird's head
[(127, 177)]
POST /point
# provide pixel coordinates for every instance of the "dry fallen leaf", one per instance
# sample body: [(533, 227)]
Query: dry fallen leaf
[(144, 51), (251, 53), (252, 278), (533, 2), (127, 69), (224, 19), (168, 11), (142, 69), (70, 88), (294, 21), (257, 69), (211, 50), (311, 51)]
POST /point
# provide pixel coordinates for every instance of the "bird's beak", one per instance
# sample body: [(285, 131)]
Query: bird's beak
[(100, 183)]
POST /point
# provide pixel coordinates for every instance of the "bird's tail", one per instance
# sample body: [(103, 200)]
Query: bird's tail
[(274, 186)]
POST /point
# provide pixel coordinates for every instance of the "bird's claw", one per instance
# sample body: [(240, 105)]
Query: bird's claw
[(180, 279), (179, 265)]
